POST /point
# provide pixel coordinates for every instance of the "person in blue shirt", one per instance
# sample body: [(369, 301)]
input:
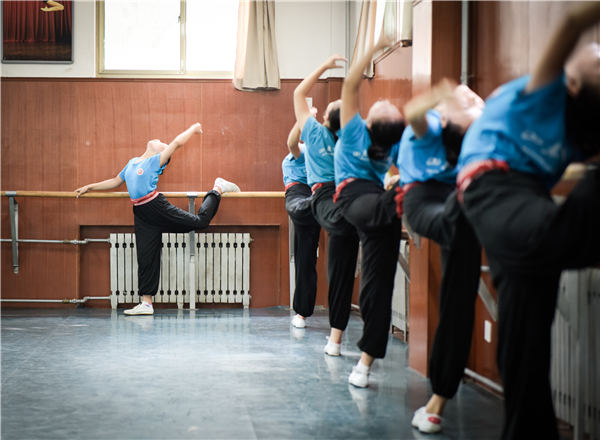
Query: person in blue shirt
[(530, 130), (298, 197), (320, 140), (152, 212), (429, 149), (366, 151)]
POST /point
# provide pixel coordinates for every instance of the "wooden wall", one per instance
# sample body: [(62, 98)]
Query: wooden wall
[(507, 38), (59, 134)]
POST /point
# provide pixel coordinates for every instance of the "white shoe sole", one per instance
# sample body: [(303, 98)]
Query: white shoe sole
[(128, 313), (357, 383), (334, 353)]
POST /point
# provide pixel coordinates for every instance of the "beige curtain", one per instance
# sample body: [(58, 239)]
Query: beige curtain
[(394, 19), (256, 65), (365, 36), (403, 20)]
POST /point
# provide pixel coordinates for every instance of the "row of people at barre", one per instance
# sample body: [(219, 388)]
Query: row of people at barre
[(472, 175)]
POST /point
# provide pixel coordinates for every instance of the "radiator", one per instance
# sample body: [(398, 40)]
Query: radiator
[(400, 296), (575, 372), (216, 269)]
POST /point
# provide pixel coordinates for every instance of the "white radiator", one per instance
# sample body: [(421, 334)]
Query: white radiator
[(400, 296), (216, 269), (575, 373)]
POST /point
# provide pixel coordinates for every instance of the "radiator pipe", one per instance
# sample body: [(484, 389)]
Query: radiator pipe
[(62, 301), (84, 241)]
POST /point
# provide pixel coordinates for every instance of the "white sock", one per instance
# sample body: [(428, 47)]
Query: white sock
[(362, 368), (147, 303)]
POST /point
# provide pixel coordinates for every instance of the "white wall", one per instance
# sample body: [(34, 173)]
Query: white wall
[(84, 49), (308, 31)]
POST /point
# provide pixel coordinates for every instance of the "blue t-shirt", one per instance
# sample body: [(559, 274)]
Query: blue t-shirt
[(352, 158), (526, 130), (141, 178), (294, 169), (422, 159), (320, 144)]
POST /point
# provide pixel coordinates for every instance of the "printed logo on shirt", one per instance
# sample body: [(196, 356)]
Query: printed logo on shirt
[(140, 171), (553, 151), (531, 136), (326, 151), (433, 162)]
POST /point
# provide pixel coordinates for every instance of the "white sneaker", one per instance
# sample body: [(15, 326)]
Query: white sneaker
[(226, 186), (332, 349), (298, 321), (427, 422), (141, 309), (359, 376)]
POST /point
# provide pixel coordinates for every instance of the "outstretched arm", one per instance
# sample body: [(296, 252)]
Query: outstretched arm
[(353, 79), (293, 139), (416, 109), (179, 141), (562, 43), (301, 108), (99, 186)]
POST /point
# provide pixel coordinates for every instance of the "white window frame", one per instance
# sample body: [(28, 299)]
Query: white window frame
[(101, 71)]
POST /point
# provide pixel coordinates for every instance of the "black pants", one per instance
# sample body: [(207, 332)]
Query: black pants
[(529, 240), (306, 241), (372, 211), (432, 210), (341, 255), (154, 218)]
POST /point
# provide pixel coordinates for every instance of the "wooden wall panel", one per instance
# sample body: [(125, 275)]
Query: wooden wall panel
[(392, 80), (507, 38), (59, 134)]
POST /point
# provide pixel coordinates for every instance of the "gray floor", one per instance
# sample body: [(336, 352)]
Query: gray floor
[(93, 374)]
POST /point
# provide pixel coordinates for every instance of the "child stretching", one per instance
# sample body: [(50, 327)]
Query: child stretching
[(152, 212)]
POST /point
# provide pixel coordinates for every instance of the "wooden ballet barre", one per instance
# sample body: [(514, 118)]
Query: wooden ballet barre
[(113, 195)]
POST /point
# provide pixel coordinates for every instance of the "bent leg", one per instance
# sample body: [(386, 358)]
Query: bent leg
[(306, 242), (341, 264), (526, 309), (458, 292), (148, 240), (378, 270)]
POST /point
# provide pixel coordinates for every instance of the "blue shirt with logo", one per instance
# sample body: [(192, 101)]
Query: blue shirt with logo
[(141, 177), (352, 158), (526, 130), (320, 144), (422, 159), (294, 169)]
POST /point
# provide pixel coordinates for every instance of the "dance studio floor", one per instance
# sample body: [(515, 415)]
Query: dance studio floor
[(217, 374)]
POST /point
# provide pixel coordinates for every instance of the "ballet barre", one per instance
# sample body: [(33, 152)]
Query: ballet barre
[(114, 195), (14, 211)]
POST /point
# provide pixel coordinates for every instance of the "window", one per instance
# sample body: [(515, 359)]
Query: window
[(195, 38)]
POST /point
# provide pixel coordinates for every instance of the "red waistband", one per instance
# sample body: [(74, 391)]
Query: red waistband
[(147, 198), (408, 186), (289, 185), (476, 169), (341, 186), (316, 186)]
